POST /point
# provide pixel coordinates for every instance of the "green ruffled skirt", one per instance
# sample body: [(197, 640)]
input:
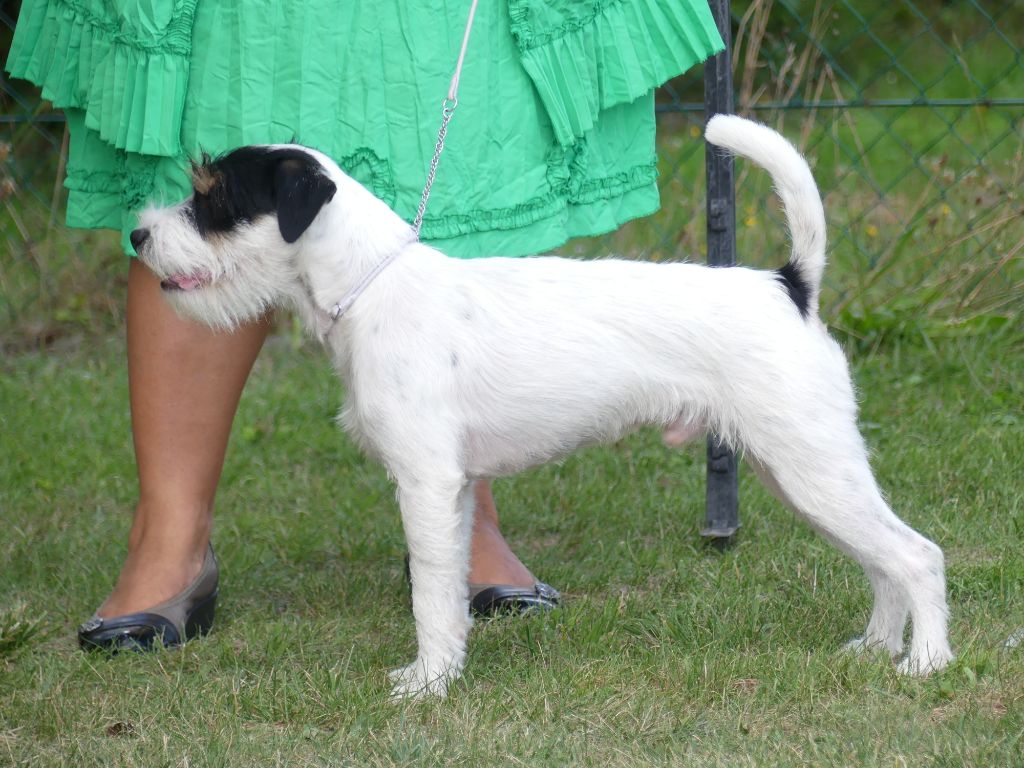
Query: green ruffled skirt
[(553, 137)]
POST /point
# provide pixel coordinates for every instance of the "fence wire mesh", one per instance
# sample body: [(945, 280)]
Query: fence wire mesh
[(910, 111)]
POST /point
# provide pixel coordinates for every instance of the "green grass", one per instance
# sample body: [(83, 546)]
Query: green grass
[(664, 653)]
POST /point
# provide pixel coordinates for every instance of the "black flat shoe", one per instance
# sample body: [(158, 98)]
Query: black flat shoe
[(183, 617), (490, 600)]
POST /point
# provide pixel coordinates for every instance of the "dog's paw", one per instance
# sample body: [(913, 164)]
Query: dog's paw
[(922, 664), (419, 681)]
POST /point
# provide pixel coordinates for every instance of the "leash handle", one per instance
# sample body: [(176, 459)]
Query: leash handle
[(448, 106)]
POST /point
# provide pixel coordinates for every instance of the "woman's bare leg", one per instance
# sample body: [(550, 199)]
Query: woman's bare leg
[(491, 559), (184, 382)]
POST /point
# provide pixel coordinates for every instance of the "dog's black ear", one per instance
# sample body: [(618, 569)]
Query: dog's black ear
[(302, 189)]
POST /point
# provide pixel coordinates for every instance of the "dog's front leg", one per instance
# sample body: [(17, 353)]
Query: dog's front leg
[(438, 519)]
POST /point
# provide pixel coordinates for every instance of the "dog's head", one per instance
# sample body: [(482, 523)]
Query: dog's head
[(227, 253)]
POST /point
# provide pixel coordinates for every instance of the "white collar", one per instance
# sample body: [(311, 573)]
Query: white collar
[(343, 306), (346, 301)]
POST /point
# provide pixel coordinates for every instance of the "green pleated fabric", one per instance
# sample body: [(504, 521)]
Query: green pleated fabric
[(553, 136)]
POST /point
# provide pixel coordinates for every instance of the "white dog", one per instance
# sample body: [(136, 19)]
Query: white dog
[(464, 369)]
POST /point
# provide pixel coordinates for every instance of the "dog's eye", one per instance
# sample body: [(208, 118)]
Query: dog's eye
[(211, 213), (205, 215), (233, 192)]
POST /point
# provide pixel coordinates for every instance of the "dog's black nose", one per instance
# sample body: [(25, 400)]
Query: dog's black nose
[(138, 237)]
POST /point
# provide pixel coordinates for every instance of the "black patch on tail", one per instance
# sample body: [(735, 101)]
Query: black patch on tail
[(796, 286)]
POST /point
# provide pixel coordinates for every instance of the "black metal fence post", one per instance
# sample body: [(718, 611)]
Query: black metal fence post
[(721, 517)]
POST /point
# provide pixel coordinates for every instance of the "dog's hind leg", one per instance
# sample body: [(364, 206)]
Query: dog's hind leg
[(832, 487), (889, 615), (437, 517)]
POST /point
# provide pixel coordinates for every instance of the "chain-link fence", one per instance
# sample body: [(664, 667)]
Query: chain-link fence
[(911, 112)]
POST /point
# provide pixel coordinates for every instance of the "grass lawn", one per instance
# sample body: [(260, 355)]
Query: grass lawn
[(665, 652)]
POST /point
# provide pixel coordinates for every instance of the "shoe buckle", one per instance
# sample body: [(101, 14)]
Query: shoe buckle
[(543, 590), (91, 625)]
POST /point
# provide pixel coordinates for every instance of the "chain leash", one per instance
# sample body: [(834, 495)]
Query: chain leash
[(447, 110), (448, 106)]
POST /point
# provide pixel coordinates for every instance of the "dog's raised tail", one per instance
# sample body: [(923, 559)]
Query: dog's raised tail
[(800, 198)]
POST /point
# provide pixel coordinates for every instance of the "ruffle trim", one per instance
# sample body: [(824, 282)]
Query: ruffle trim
[(113, 199), (539, 208), (131, 188), (612, 53), (373, 172), (130, 84)]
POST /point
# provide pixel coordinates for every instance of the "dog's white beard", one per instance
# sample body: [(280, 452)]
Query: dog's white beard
[(242, 279)]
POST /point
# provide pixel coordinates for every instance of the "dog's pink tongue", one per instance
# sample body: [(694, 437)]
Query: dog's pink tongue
[(186, 282)]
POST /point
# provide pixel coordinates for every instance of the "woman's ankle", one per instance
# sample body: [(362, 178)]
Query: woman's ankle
[(171, 530), (165, 554), (492, 561)]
